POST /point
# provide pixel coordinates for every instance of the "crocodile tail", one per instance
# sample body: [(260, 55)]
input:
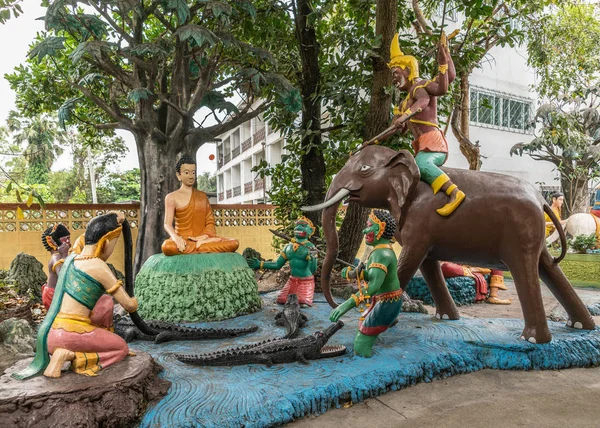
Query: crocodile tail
[(561, 233), (189, 333)]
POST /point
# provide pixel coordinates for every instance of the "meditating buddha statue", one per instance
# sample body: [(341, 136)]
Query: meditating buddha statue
[(194, 230)]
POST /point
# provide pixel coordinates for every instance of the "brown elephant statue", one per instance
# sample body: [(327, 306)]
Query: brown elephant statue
[(510, 211)]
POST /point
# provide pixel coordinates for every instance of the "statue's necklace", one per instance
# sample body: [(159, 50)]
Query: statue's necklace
[(80, 257), (388, 246)]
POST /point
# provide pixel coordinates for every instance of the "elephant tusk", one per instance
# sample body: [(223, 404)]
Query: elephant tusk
[(341, 194)]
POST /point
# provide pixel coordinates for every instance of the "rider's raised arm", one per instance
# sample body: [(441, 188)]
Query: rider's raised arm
[(446, 73)]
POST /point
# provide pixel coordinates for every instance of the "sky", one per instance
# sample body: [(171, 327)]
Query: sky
[(17, 34)]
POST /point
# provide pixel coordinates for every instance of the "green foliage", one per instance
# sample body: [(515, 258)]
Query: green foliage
[(582, 243), (120, 187), (563, 48), (8, 6), (563, 51), (207, 182)]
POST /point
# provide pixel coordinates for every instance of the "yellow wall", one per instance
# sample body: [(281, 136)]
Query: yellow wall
[(249, 224)]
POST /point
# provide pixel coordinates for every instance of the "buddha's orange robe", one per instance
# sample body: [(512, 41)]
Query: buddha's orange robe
[(193, 220)]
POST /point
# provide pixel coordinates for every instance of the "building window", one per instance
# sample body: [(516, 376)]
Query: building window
[(499, 110)]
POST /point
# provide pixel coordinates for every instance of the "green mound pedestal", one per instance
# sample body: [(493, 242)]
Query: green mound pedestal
[(196, 287)]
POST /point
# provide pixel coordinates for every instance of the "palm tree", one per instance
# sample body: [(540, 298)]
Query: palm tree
[(42, 139)]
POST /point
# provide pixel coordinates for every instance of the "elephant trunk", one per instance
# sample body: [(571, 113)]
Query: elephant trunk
[(331, 238)]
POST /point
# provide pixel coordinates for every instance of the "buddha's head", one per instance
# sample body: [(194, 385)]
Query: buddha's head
[(381, 227), (304, 229), (186, 170)]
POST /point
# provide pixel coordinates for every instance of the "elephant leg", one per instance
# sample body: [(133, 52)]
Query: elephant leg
[(409, 261), (444, 304), (527, 282), (559, 285)]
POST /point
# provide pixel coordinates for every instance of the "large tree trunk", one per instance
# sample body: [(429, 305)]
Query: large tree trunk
[(157, 168), (460, 124), (312, 163), (378, 118), (577, 196)]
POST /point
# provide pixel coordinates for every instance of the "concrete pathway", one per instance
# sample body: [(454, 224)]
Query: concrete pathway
[(489, 398)]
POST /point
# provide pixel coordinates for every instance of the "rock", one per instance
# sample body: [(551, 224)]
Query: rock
[(196, 287), (17, 341), (28, 274), (117, 273), (117, 397)]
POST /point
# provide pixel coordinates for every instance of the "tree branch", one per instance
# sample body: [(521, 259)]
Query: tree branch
[(420, 18), (210, 133)]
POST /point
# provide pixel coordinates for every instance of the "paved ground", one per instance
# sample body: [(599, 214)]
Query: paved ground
[(490, 398)]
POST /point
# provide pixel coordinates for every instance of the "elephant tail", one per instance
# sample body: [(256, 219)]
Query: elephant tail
[(561, 233)]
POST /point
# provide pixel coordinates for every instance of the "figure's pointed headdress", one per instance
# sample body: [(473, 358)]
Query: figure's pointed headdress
[(398, 59)]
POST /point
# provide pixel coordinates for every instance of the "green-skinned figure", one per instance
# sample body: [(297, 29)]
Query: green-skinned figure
[(302, 256), (382, 287)]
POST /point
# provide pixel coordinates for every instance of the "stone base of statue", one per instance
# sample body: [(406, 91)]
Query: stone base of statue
[(118, 396), (196, 287)]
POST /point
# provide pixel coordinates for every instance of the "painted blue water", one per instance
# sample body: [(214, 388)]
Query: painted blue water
[(417, 349)]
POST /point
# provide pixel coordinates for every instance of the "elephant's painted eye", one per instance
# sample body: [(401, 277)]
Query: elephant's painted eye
[(365, 168)]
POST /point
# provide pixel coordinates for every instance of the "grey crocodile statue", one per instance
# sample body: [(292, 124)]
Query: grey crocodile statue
[(274, 351), (125, 328), (291, 317)]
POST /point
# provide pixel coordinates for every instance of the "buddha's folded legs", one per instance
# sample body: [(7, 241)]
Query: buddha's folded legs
[(224, 245)]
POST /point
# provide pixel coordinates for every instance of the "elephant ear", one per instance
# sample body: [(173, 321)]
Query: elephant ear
[(403, 166)]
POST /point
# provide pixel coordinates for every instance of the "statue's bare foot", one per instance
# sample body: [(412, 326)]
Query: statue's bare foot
[(59, 357)]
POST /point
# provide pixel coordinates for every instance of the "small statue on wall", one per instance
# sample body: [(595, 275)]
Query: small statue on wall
[(302, 256), (380, 300), (78, 325), (194, 231), (57, 240)]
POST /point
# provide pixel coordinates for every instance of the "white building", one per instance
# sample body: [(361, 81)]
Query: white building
[(240, 150), (504, 83)]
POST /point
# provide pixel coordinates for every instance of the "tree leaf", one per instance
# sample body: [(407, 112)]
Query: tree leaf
[(65, 111), (219, 8), (217, 101), (150, 49), (41, 201), (93, 47), (89, 78), (18, 194), (9, 187), (199, 34), (20, 214), (139, 94), (49, 46), (29, 200), (180, 7)]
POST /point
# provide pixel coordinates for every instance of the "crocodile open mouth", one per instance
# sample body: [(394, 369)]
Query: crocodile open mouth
[(332, 351)]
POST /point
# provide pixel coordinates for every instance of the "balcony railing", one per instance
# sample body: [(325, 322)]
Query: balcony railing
[(229, 194), (237, 190), (235, 152), (221, 196), (259, 136), (227, 157), (248, 187), (259, 184), (247, 144)]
